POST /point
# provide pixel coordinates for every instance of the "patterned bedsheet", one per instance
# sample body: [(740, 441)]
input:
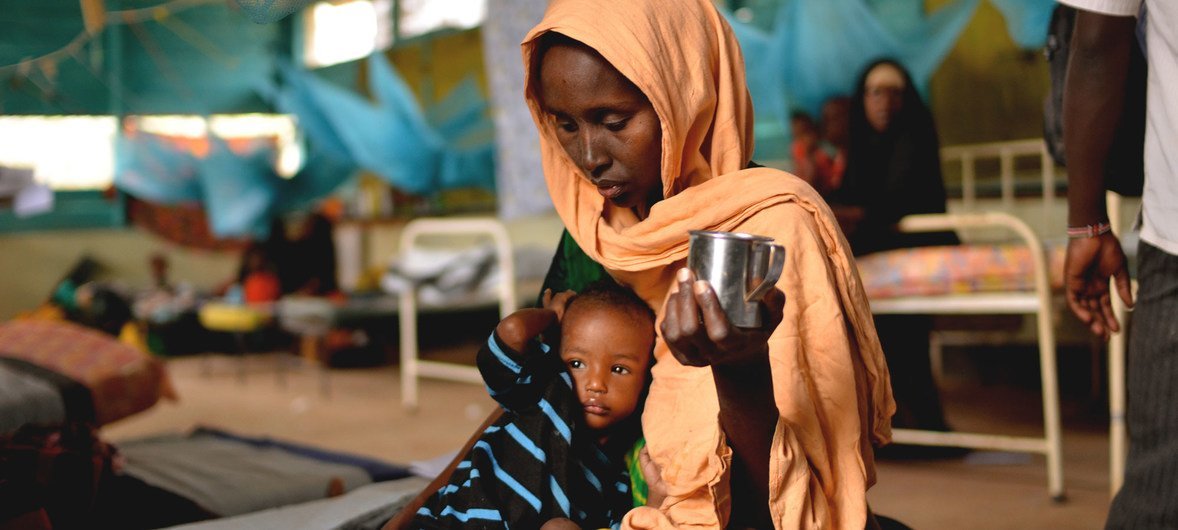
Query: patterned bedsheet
[(122, 380), (960, 269)]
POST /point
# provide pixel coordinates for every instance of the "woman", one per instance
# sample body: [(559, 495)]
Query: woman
[(894, 170), (646, 133), (894, 163)]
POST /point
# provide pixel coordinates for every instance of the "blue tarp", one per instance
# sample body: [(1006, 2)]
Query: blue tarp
[(344, 131), (392, 136)]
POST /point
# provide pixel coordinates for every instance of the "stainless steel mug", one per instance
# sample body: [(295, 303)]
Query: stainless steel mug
[(740, 267)]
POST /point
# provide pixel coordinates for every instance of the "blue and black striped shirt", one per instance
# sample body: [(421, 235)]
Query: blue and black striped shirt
[(531, 465)]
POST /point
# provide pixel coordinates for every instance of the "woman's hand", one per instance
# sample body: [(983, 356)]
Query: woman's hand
[(557, 302), (560, 524), (656, 490), (699, 334)]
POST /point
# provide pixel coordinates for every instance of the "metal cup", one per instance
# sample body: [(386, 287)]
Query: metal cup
[(740, 267)]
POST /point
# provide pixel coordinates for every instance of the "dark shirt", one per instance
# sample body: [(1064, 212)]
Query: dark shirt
[(891, 175), (536, 462)]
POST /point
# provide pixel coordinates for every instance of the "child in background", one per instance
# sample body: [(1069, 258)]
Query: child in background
[(259, 277), (836, 131), (811, 163), (572, 424)]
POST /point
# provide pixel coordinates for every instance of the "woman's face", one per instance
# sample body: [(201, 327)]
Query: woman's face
[(883, 96), (605, 124)]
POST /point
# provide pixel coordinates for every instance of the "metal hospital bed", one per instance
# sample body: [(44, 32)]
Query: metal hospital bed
[(413, 366), (1036, 301)]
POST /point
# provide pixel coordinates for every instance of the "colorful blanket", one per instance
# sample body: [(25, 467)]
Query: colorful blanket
[(960, 269), (122, 380)]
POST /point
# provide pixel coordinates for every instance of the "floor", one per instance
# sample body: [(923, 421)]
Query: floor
[(363, 415)]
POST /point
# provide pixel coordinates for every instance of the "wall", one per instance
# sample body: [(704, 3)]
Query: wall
[(988, 89), (433, 64), (31, 263)]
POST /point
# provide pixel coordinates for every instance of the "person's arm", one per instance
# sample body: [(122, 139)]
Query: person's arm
[(1093, 98), (699, 334)]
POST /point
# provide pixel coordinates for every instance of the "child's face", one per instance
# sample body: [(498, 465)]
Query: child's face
[(607, 351)]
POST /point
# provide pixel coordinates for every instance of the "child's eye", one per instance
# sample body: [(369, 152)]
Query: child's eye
[(619, 369), (616, 126), (576, 363)]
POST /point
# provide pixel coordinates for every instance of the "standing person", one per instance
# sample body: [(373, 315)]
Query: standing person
[(894, 170), (1093, 99), (646, 132)]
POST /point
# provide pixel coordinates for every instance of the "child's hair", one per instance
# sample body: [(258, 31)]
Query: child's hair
[(798, 115), (612, 294)]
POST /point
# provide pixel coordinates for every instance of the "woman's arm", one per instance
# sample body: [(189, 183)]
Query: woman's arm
[(699, 334)]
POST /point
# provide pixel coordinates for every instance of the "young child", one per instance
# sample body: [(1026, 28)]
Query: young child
[(259, 280), (573, 413)]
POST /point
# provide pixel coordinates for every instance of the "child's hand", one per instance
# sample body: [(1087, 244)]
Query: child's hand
[(656, 490), (557, 302)]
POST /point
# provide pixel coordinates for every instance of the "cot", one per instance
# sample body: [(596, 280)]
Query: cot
[(1023, 287)]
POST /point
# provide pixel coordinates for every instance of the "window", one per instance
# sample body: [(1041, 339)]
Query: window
[(75, 157), (64, 152), (278, 126), (342, 31), (418, 17)]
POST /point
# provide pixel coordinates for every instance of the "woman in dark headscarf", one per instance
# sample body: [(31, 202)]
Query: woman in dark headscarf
[(894, 163), (894, 170), (305, 253)]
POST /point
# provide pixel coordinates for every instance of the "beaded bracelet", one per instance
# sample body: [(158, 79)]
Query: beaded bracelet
[(1089, 231)]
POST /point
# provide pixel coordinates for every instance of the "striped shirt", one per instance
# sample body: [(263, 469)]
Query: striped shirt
[(533, 464)]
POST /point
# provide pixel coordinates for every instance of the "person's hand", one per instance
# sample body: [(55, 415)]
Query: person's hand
[(656, 490), (557, 302), (560, 524), (699, 334), (1087, 267)]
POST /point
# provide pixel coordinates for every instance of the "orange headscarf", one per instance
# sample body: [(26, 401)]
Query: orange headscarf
[(830, 379)]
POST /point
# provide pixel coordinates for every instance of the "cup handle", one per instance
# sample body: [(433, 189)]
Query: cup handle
[(776, 265)]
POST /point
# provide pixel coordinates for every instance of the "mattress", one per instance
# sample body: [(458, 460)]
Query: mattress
[(955, 270)]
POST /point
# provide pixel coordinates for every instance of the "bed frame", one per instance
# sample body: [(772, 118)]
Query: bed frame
[(1036, 302), (413, 366)]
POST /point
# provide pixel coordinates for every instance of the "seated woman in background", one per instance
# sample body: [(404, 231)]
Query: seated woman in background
[(304, 253), (894, 170)]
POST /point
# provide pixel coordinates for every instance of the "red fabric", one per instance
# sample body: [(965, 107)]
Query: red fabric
[(262, 287)]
